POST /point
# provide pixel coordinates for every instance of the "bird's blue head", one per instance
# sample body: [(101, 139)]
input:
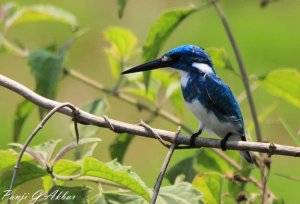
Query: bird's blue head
[(183, 58)]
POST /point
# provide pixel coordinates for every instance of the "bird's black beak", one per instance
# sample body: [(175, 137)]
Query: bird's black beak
[(154, 64)]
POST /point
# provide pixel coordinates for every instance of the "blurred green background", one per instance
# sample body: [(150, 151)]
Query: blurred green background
[(268, 38)]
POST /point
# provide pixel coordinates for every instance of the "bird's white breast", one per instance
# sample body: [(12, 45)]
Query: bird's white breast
[(210, 120)]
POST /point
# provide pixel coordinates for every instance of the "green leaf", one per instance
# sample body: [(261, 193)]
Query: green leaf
[(62, 168), (181, 192), (68, 147), (9, 157), (139, 90), (205, 160), (36, 13), (210, 185), (96, 107), (23, 110), (117, 198), (46, 149), (219, 58), (76, 194), (186, 167), (66, 167), (159, 33), (42, 152), (48, 182), (119, 146), (114, 64), (122, 42), (35, 155), (115, 172), (47, 69), (290, 131), (27, 172), (121, 4), (285, 84)]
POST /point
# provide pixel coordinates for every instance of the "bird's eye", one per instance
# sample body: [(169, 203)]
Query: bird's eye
[(165, 59), (175, 56)]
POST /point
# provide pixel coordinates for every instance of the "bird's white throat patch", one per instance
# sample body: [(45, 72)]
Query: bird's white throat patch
[(201, 66), (184, 77), (205, 68)]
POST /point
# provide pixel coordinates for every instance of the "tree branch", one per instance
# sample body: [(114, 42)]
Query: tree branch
[(118, 126)]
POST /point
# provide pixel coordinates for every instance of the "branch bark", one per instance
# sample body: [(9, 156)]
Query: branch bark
[(118, 126)]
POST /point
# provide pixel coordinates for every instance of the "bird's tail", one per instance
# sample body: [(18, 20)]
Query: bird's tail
[(247, 156)]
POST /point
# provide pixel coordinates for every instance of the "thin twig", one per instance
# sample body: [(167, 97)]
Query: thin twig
[(87, 118), (146, 126), (245, 80), (164, 168), (36, 130), (266, 167), (288, 177)]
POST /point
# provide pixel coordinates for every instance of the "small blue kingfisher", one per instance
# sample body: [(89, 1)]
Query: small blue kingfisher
[(206, 95)]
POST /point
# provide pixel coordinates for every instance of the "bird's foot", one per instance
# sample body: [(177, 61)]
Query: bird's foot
[(224, 141), (223, 144), (194, 136)]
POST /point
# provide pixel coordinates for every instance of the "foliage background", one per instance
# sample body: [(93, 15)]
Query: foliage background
[(268, 38)]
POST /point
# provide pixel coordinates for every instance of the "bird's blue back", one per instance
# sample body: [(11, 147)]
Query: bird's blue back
[(215, 96)]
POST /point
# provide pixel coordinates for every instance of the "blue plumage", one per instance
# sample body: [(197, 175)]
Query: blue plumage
[(206, 95), (215, 96)]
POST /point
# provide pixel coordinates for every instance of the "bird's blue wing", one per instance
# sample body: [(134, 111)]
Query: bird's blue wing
[(223, 100)]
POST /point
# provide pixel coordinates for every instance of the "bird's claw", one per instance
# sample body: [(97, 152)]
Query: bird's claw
[(224, 141), (193, 138), (223, 144)]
